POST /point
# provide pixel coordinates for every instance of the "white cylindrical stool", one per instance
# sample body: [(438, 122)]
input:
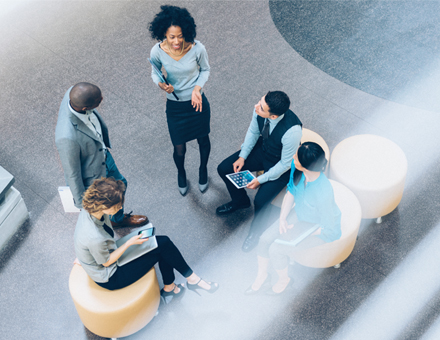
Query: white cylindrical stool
[(374, 168)]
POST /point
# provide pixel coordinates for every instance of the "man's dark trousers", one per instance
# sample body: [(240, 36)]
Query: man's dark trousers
[(256, 161), (112, 171)]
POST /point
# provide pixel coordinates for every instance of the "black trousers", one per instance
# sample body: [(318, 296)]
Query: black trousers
[(256, 161), (168, 256)]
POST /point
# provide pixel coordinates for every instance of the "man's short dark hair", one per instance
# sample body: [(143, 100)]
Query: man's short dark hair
[(84, 94), (278, 102)]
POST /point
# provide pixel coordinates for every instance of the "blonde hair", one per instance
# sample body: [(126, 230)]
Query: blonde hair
[(103, 194)]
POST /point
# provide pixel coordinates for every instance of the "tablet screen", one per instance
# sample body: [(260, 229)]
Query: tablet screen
[(241, 179)]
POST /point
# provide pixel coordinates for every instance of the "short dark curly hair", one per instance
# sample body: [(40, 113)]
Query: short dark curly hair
[(173, 16), (103, 194)]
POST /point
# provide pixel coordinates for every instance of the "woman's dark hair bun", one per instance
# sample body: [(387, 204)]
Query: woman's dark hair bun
[(312, 157)]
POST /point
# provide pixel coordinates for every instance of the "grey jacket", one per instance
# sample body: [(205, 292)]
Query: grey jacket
[(81, 152)]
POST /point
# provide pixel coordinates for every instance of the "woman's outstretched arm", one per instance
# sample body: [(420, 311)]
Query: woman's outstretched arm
[(286, 206)]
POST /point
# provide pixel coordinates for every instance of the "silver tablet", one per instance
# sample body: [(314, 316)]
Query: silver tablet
[(241, 179)]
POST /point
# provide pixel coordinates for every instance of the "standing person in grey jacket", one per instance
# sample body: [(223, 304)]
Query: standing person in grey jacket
[(83, 143)]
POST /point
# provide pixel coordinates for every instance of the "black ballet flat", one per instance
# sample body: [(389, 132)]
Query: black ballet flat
[(194, 287), (175, 296), (264, 286)]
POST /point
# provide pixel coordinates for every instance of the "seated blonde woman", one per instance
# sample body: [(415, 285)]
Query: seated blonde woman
[(97, 252), (311, 192)]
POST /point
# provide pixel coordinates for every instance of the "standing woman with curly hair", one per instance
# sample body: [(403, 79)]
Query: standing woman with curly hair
[(186, 63)]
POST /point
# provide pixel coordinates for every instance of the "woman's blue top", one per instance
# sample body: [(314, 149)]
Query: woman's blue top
[(184, 74), (316, 204)]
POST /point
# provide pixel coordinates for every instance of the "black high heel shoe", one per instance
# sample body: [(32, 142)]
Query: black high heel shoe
[(195, 286), (264, 286), (182, 183), (164, 294), (203, 180)]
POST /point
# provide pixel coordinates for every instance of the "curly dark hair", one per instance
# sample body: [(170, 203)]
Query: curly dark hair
[(103, 194), (173, 16)]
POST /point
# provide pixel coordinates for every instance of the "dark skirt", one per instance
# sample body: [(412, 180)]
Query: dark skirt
[(184, 123)]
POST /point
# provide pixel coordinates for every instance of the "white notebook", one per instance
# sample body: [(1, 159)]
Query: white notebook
[(300, 238)]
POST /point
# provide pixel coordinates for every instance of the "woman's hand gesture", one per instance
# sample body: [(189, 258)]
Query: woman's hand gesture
[(284, 226), (136, 240), (166, 88), (196, 98), (114, 256)]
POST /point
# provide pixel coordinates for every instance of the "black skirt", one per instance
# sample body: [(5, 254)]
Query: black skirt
[(184, 123)]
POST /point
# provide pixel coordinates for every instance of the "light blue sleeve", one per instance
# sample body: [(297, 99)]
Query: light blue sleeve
[(155, 58), (290, 141), (202, 61), (251, 138)]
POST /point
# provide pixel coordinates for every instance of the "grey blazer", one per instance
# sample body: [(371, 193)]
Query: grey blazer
[(82, 155)]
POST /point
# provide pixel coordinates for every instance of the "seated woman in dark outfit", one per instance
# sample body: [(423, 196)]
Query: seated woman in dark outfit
[(97, 252), (309, 201)]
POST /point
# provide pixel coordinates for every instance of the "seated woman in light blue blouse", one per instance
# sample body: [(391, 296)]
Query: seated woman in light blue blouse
[(312, 193), (186, 63)]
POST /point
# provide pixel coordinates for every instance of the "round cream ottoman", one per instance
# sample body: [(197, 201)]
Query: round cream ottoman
[(116, 313), (333, 253), (307, 136), (374, 168)]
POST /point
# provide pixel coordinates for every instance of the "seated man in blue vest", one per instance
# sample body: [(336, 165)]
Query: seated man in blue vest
[(271, 141)]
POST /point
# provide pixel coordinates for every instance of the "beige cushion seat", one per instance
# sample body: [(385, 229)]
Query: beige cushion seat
[(116, 313), (374, 168)]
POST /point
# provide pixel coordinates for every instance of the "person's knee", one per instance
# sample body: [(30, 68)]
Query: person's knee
[(260, 202), (180, 153), (224, 168), (265, 241), (204, 141), (180, 150), (274, 249), (163, 240), (277, 255)]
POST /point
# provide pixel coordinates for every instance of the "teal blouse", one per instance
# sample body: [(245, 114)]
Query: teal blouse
[(316, 204)]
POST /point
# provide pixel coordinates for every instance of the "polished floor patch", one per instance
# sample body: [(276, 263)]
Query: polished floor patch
[(386, 48)]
